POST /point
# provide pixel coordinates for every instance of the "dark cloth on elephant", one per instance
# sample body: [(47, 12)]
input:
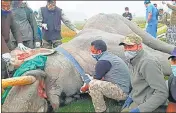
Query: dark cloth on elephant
[(53, 20)]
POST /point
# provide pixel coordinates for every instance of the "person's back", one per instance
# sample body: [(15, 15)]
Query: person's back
[(119, 73)]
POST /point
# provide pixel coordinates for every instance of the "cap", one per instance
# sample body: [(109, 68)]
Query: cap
[(173, 54), (131, 39), (146, 1), (51, 1)]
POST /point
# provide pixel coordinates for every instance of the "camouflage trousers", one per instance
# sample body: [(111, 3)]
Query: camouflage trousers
[(51, 44), (98, 89), (171, 35)]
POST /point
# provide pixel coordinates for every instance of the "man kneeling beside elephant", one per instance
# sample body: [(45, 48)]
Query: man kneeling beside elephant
[(111, 79), (149, 91)]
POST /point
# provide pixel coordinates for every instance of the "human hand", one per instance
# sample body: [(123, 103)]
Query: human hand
[(135, 110), (45, 26), (22, 47), (37, 44), (6, 57), (127, 102)]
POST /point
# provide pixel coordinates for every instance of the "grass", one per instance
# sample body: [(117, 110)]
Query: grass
[(162, 31), (66, 39), (85, 105)]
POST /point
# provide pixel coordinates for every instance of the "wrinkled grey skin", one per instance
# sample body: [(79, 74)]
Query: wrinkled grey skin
[(62, 77)]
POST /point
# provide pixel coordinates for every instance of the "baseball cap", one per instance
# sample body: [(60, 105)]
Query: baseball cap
[(131, 39), (173, 54), (146, 1)]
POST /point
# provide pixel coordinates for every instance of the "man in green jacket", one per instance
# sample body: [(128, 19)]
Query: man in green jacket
[(149, 90), (24, 17)]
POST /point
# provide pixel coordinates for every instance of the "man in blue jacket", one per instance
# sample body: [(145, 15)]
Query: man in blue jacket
[(151, 19)]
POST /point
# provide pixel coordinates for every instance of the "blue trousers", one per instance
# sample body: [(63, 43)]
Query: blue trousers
[(152, 29)]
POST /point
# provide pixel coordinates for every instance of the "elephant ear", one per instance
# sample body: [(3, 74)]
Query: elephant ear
[(28, 98)]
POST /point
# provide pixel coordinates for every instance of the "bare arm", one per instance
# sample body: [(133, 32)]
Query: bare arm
[(149, 17)]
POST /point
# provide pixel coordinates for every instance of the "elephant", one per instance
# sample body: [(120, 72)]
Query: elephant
[(63, 80)]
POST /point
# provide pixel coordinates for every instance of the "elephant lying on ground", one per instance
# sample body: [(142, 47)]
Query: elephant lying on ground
[(63, 81)]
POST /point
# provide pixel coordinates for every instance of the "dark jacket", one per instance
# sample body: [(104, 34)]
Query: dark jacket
[(53, 21), (7, 24), (129, 15), (172, 88)]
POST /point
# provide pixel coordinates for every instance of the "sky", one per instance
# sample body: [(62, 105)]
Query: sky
[(91, 8)]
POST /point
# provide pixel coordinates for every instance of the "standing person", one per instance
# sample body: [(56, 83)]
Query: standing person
[(151, 19), (127, 14), (171, 30), (149, 90), (112, 78), (24, 17), (7, 24), (38, 20), (51, 24)]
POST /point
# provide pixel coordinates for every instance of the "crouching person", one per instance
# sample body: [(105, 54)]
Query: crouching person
[(149, 90), (111, 79)]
